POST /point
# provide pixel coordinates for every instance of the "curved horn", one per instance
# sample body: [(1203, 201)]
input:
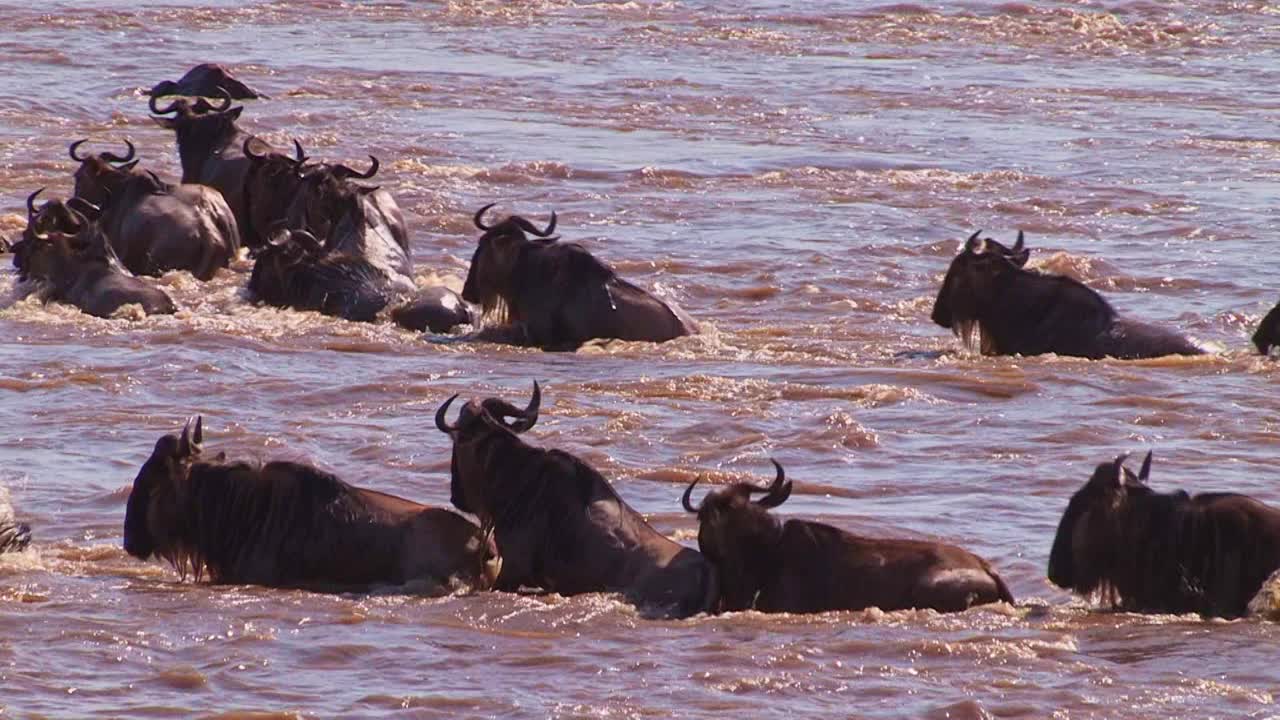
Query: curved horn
[(345, 171), (84, 207), (31, 205), (778, 491), (156, 179), (226, 100), (443, 426), (308, 241), (151, 105), (684, 499), (299, 156), (1118, 466), (1145, 472), (480, 214), (249, 153), (74, 146), (1017, 246), (112, 157), (973, 243)]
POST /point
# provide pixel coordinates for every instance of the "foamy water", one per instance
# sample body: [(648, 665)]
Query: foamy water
[(796, 177)]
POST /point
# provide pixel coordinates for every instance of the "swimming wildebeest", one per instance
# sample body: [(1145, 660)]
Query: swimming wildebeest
[(1024, 312), (210, 146), (801, 566), (1146, 551), (74, 263), (294, 270), (286, 524), (1268, 332), (557, 295), (152, 225), (557, 522), (207, 80), (358, 220)]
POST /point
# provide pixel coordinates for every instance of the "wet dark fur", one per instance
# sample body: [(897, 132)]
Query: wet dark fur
[(1164, 552), (287, 524), (1023, 312), (14, 538), (337, 285), (565, 528), (558, 295), (1268, 332), (802, 566)]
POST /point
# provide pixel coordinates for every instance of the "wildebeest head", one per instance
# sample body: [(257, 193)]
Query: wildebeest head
[(196, 123), (152, 518), (494, 262), (737, 534), (101, 175), (58, 236), (270, 185), (284, 250), (1085, 546), (206, 79), (476, 420), (325, 195), (973, 278)]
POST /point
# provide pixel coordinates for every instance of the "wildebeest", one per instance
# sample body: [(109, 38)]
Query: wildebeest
[(153, 226), (210, 146), (1145, 551), (287, 524), (270, 185), (294, 270), (206, 80), (357, 220), (556, 295), (1268, 333), (1024, 312), (801, 566), (557, 522), (75, 264)]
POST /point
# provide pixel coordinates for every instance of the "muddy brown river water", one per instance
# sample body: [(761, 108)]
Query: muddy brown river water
[(796, 176)]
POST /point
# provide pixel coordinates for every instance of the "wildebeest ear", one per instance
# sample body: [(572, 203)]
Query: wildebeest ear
[(1145, 472), (166, 123), (234, 113)]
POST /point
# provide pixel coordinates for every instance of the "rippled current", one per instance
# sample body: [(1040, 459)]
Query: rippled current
[(797, 177)]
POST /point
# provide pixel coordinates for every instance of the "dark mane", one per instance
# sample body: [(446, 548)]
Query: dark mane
[(241, 521)]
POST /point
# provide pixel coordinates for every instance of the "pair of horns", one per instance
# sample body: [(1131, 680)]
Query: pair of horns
[(523, 224), (299, 156), (1143, 474), (498, 410), (975, 244), (775, 494), (179, 103), (280, 234), (108, 156)]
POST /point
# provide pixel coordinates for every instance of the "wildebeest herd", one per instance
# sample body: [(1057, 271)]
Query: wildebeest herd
[(323, 240)]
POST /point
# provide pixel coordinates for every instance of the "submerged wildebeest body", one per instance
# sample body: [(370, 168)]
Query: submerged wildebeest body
[(1268, 333), (1164, 552), (73, 263), (286, 524), (803, 567), (355, 220), (557, 522), (153, 226), (295, 271), (1023, 312), (206, 80), (557, 295), (211, 148), (14, 535)]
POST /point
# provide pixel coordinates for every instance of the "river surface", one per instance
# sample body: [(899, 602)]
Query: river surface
[(796, 176)]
